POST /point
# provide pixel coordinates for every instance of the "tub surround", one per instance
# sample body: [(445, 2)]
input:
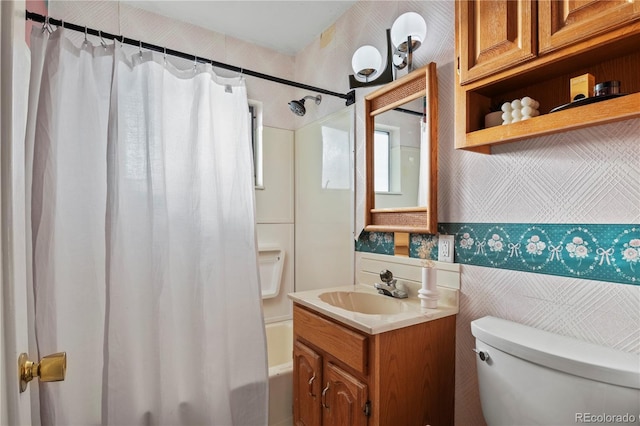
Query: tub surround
[(279, 348)]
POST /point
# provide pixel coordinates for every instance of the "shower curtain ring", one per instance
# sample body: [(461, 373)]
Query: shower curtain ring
[(102, 40), (165, 55), (195, 63), (85, 35), (140, 48)]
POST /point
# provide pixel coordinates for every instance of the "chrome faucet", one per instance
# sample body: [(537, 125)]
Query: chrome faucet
[(389, 286)]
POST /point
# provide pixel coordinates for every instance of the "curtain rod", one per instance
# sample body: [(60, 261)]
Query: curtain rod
[(408, 111), (36, 17)]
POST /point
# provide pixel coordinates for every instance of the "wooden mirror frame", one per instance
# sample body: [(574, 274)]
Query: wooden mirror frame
[(420, 220)]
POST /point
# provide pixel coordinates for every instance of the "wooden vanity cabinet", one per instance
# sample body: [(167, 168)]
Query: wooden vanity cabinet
[(508, 49), (343, 376)]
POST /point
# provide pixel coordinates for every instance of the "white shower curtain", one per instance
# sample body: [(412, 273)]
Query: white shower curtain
[(144, 252)]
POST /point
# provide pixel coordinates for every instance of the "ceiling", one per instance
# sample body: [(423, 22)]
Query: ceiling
[(283, 26)]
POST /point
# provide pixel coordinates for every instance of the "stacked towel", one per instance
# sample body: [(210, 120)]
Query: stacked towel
[(519, 109)]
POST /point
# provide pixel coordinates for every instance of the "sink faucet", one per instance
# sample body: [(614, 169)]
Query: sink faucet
[(388, 286)]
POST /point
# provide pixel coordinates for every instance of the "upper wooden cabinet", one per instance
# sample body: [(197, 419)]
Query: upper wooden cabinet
[(563, 22), (498, 34), (510, 49), (495, 35)]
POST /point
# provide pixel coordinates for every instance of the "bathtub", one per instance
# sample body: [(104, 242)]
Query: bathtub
[(279, 355)]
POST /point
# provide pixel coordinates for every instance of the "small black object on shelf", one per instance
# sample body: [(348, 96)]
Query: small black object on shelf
[(586, 101)]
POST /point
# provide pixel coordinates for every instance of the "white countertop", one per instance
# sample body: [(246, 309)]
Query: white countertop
[(375, 323)]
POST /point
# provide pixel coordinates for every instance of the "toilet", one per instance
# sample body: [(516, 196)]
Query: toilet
[(528, 376)]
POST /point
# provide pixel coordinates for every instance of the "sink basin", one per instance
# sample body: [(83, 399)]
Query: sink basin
[(364, 303)]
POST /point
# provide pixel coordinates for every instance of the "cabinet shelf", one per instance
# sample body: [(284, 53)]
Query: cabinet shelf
[(617, 109), (567, 39)]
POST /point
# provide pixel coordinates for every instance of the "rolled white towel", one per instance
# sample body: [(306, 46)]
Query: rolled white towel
[(506, 107)]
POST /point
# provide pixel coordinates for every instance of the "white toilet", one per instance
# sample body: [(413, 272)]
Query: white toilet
[(532, 377)]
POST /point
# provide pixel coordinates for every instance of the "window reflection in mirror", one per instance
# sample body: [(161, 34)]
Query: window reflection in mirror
[(382, 166), (398, 137)]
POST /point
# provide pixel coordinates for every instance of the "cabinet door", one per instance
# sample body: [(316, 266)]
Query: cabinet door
[(563, 22), (344, 398), (494, 35), (307, 378)]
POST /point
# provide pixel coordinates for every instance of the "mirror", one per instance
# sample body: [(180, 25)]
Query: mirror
[(401, 122)]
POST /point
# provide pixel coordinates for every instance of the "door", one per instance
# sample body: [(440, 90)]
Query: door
[(307, 377), (563, 22), (494, 35), (15, 407), (344, 398)]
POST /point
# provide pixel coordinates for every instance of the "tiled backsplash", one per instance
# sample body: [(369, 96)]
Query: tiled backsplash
[(602, 252)]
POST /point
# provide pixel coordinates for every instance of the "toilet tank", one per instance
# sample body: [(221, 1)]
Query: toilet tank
[(534, 377)]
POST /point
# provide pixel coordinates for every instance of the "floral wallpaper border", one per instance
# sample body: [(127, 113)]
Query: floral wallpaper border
[(602, 252)]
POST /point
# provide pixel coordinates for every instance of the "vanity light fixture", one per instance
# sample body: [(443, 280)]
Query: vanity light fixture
[(366, 61), (405, 36)]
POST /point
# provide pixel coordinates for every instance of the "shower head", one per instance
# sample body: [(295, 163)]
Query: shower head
[(297, 107)]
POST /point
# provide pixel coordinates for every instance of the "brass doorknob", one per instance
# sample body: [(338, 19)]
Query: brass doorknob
[(52, 368)]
